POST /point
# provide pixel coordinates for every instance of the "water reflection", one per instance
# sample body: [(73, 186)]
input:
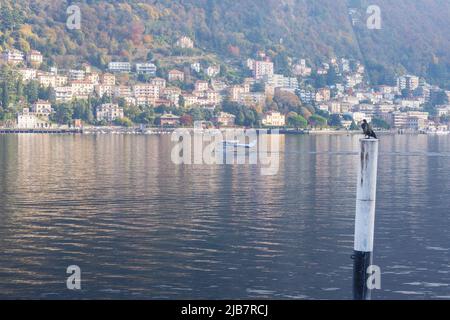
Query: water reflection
[(142, 227)]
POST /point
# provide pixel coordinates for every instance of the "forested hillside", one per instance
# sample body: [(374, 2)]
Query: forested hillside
[(414, 36)]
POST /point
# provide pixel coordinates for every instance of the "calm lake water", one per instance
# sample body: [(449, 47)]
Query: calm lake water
[(141, 227)]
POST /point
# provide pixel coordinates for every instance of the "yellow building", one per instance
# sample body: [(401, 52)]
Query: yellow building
[(274, 119)]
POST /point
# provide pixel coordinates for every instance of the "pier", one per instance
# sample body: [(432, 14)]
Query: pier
[(41, 131)]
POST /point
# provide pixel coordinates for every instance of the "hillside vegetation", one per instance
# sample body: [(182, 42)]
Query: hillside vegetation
[(414, 36)]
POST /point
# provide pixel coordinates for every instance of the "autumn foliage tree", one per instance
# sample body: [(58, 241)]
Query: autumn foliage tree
[(186, 120), (287, 101)]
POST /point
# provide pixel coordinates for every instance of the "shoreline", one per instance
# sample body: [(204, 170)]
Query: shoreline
[(160, 131)]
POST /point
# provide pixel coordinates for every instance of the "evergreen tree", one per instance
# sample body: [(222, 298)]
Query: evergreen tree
[(5, 95), (32, 91)]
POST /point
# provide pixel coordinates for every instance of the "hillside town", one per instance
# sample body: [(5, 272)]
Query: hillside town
[(335, 94)]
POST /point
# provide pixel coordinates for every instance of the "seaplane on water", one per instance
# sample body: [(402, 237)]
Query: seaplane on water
[(237, 144)]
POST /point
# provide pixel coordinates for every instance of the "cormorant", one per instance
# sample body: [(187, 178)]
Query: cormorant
[(367, 129)]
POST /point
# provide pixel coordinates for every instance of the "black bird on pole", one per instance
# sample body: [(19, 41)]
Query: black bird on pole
[(368, 131)]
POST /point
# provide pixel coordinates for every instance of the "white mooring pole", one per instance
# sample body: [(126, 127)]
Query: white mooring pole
[(365, 217)]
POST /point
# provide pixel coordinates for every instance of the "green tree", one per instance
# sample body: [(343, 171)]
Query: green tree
[(63, 113), (123, 122), (305, 112), (83, 110), (245, 116), (335, 120), (320, 80), (439, 98), (354, 126), (181, 101), (258, 87), (32, 91), (5, 95), (296, 121), (147, 116), (317, 121), (332, 77), (380, 123), (196, 114), (430, 108), (132, 112), (11, 18)]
